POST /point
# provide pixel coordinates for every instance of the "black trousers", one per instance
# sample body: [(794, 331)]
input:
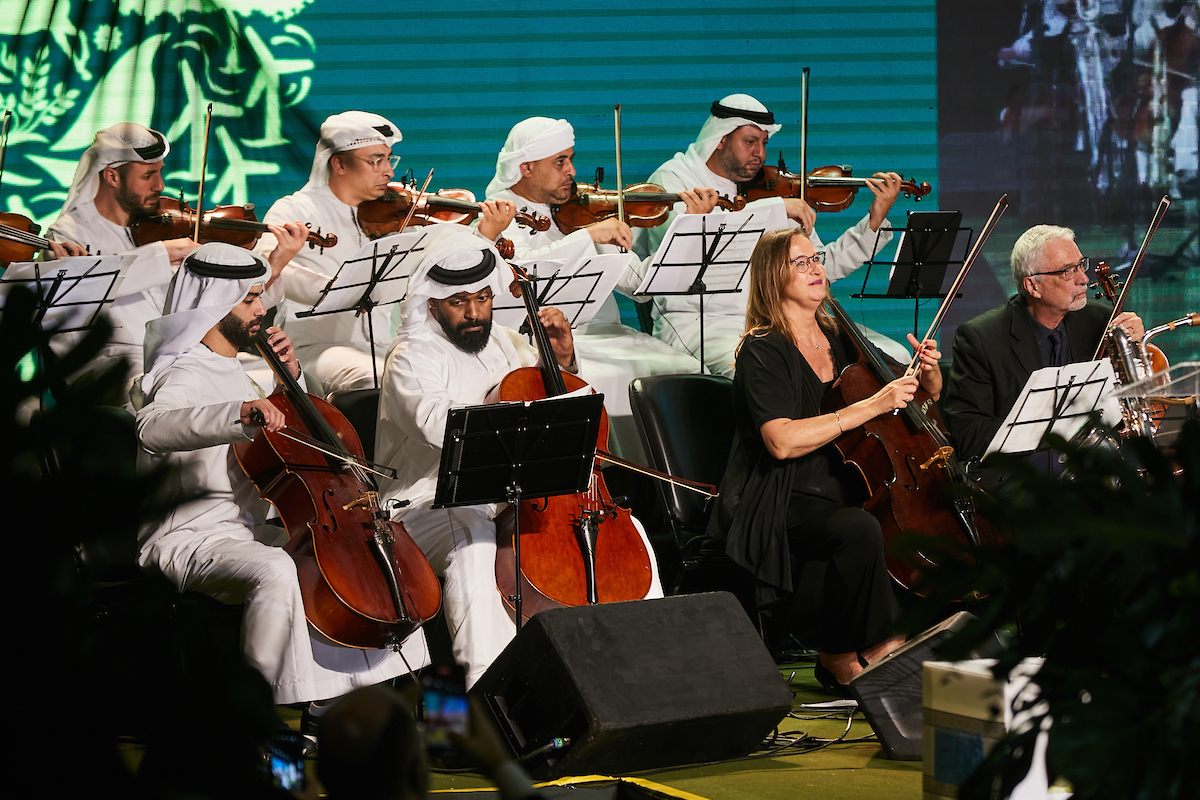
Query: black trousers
[(858, 606)]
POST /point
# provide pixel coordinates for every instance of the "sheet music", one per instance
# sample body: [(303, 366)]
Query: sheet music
[(690, 238), (87, 284), (1057, 400), (390, 260), (578, 290)]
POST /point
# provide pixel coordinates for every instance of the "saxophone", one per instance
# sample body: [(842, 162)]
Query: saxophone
[(1130, 365)]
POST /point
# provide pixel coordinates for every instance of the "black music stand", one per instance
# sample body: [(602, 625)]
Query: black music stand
[(1057, 400), (509, 452), (930, 243), (705, 254), (71, 292), (376, 276), (577, 289)]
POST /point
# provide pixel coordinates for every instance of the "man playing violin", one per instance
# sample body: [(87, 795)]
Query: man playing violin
[(535, 170), (199, 402), (449, 354), (118, 181), (1048, 322), (353, 164), (730, 149)]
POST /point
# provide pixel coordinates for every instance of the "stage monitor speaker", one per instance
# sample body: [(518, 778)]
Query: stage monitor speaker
[(633, 686), (889, 692)]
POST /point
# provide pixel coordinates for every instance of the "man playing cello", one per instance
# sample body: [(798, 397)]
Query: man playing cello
[(199, 402), (447, 354)]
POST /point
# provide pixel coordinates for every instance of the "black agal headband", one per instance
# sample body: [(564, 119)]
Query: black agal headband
[(757, 117)]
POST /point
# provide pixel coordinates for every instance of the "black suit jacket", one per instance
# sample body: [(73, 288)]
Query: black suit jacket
[(994, 355)]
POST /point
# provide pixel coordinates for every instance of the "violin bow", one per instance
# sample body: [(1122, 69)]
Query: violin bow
[(4, 142), (417, 201), (1159, 214), (203, 172), (707, 489), (620, 179), (940, 316), (804, 134)]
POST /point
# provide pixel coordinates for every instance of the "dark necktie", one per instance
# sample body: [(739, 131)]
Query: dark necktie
[(1055, 349)]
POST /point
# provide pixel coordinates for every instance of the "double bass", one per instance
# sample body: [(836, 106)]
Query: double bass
[(365, 583), (552, 570)]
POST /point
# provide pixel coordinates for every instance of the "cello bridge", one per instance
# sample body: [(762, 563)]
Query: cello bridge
[(364, 500), (940, 458)]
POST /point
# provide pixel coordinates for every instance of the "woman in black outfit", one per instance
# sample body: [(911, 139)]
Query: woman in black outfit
[(785, 497)]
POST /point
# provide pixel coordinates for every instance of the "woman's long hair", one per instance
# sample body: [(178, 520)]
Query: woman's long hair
[(770, 273)]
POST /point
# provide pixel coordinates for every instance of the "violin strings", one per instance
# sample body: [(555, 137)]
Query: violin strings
[(22, 237)]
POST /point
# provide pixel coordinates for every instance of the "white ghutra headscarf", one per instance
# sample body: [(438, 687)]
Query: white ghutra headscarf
[(349, 130), (460, 262), (530, 140), (115, 146), (213, 279), (727, 115)]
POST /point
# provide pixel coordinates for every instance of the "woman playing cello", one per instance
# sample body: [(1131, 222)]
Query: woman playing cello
[(785, 498)]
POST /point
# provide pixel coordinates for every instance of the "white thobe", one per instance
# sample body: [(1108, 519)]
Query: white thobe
[(335, 349), (84, 225), (677, 317), (217, 545), (611, 354), (425, 376)]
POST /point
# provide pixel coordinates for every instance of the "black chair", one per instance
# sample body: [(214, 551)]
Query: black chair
[(686, 424), (361, 408)]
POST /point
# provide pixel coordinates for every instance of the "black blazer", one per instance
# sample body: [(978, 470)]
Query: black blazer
[(994, 355)]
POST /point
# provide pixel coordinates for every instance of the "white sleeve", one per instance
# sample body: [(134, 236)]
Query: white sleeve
[(418, 384), (855, 247), (171, 422)]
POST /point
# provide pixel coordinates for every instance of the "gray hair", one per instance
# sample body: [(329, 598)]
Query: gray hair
[(1026, 256)]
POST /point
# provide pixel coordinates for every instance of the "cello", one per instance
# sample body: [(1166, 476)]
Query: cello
[(553, 569), (365, 583), (907, 464)]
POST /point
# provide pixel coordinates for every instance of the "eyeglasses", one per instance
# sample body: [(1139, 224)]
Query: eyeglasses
[(377, 162), (1071, 271), (805, 264)]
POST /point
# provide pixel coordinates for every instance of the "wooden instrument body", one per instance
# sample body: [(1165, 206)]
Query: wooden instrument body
[(330, 519), (552, 564)]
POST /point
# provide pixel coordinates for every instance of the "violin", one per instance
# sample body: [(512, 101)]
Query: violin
[(826, 189), (236, 225), (19, 238), (647, 205), (387, 214), (554, 569), (364, 581)]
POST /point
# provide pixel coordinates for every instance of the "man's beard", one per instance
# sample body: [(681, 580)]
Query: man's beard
[(735, 170), (470, 342), (237, 332), (132, 204)]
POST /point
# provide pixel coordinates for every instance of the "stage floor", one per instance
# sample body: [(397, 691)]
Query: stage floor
[(850, 764)]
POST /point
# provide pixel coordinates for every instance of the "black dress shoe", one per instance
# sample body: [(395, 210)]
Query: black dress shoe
[(829, 683)]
